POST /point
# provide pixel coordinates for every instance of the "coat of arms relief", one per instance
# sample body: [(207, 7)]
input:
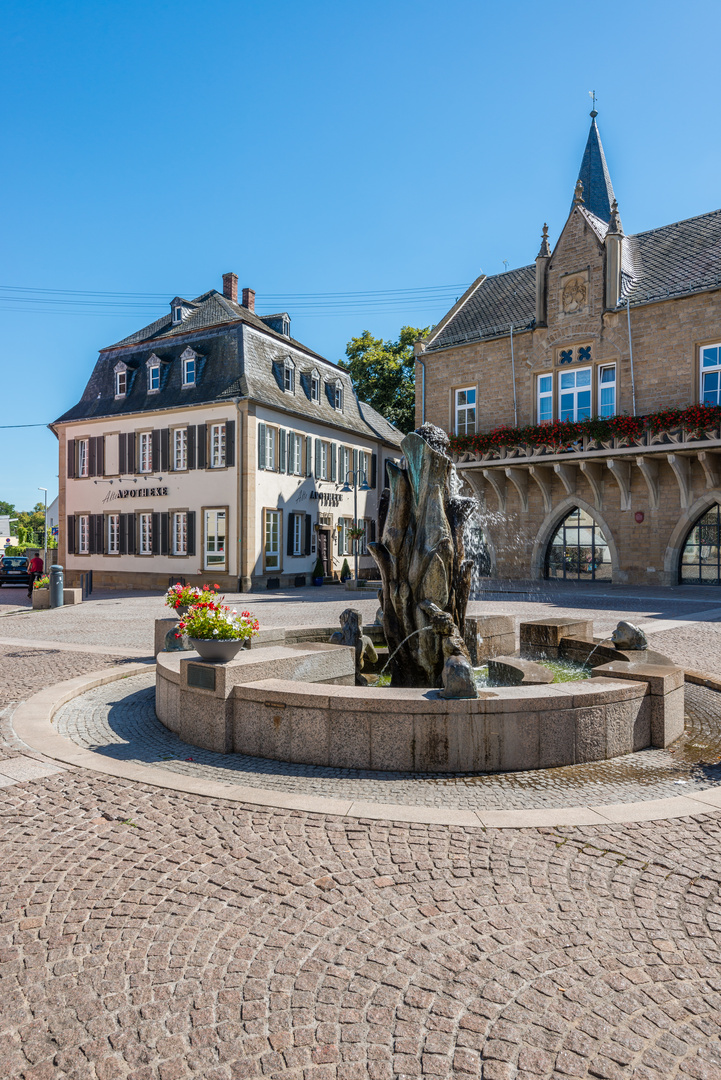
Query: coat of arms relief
[(574, 293)]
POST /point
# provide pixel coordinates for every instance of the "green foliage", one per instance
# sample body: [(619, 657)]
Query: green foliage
[(318, 569), (6, 508), (383, 373), (344, 570)]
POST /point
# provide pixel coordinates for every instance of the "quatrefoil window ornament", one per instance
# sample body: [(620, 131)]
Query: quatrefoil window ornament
[(566, 356), (584, 353)]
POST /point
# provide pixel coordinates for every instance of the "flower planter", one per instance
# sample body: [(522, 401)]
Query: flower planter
[(41, 599), (317, 580), (219, 651), (182, 611)]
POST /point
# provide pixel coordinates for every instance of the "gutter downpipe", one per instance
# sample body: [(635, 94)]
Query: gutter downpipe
[(423, 388), (513, 376), (630, 353)]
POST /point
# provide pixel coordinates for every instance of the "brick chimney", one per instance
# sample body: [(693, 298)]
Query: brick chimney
[(249, 299), (230, 287)]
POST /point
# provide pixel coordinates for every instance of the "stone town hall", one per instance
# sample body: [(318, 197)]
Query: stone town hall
[(602, 324)]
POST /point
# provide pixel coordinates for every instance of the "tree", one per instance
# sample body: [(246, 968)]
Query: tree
[(6, 508), (33, 522), (383, 373)]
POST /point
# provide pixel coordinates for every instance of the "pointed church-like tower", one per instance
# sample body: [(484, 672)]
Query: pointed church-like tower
[(598, 194)]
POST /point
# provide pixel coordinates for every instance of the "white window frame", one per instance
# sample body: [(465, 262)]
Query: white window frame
[(298, 520), (190, 363), (83, 534), (706, 353), (121, 383), (180, 449), (113, 534), (83, 457), (315, 386), (610, 384), (324, 456), (214, 540), (271, 442), (462, 409), (289, 376), (575, 390), (295, 454), (272, 540), (364, 464), (146, 533), (217, 446), (344, 541), (338, 397), (145, 452), (180, 533), (177, 314), (544, 398), (343, 464), (153, 375)]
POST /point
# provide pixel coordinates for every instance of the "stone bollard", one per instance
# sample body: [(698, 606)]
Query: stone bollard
[(56, 586)]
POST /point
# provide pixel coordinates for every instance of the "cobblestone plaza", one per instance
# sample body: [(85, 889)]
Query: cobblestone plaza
[(152, 934)]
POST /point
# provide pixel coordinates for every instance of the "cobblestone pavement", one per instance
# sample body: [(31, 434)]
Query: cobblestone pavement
[(148, 935), (119, 721)]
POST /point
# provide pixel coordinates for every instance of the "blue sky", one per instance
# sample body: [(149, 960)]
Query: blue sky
[(316, 148)]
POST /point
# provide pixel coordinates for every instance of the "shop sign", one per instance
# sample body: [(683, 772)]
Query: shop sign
[(327, 498), (135, 493)]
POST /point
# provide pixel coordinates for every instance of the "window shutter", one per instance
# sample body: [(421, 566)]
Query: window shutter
[(132, 530), (100, 455), (333, 467), (165, 450), (374, 471), (70, 524), (308, 526), (92, 456), (291, 530), (99, 533), (292, 438), (155, 535), (191, 446), (122, 453), (71, 459), (308, 456), (191, 532), (123, 534), (373, 530), (317, 459), (355, 461), (201, 445), (164, 533), (261, 446), (155, 450), (130, 444), (230, 442), (282, 455)]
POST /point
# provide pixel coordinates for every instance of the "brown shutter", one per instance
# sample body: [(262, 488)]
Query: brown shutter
[(130, 454), (70, 525), (155, 535), (374, 471), (100, 456), (165, 450), (201, 445), (96, 534), (130, 531), (122, 453), (191, 531), (164, 533), (230, 442), (291, 523), (71, 459), (308, 527), (155, 450), (123, 534), (92, 456), (191, 446)]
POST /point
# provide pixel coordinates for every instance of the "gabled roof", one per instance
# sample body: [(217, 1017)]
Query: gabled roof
[(593, 174), (488, 312), (676, 259)]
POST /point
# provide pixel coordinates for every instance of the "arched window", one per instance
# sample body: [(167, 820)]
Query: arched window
[(578, 550), (701, 556)]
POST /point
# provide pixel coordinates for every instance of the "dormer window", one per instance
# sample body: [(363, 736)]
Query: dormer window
[(286, 326), (289, 376), (189, 360), (121, 380), (153, 374), (177, 314), (338, 396), (314, 386)]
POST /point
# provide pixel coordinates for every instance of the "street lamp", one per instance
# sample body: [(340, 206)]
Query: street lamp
[(355, 474), (45, 533)]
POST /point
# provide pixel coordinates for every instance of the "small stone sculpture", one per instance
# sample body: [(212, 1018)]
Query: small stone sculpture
[(458, 679), (175, 642), (351, 633), (628, 636)]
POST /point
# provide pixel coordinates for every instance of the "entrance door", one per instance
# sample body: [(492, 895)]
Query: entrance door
[(324, 549)]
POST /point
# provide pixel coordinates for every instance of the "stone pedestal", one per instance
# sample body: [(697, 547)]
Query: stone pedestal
[(510, 671), (542, 637), (666, 687), (72, 596), (489, 635), (41, 599)]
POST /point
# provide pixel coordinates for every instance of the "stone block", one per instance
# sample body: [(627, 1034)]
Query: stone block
[(519, 741), (161, 629), (511, 671), (582, 651), (391, 741), (641, 732), (72, 596), (667, 717), (205, 720), (487, 636), (308, 735), (557, 738), (591, 734), (349, 739), (660, 678), (41, 599), (273, 731), (431, 741), (620, 718), (549, 633)]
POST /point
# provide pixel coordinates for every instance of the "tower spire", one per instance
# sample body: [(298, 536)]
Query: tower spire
[(597, 188)]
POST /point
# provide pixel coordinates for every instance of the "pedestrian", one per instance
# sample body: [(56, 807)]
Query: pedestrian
[(35, 569)]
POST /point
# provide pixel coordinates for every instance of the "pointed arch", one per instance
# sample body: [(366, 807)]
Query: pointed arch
[(679, 536), (553, 522)]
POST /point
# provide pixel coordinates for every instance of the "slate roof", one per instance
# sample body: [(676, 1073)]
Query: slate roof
[(238, 356), (492, 304), (593, 174)]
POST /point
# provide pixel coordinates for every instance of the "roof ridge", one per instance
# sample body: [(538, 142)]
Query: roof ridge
[(683, 221)]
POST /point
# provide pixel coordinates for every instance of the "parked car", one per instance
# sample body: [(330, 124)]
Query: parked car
[(14, 570)]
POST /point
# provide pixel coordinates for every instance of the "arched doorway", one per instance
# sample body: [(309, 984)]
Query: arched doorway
[(578, 550), (701, 556)]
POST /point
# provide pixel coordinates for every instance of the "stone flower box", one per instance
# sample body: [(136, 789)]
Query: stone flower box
[(41, 599)]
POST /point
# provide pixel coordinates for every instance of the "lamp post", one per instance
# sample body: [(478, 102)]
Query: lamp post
[(45, 532), (355, 474)]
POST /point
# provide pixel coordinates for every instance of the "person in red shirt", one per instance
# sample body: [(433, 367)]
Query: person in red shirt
[(35, 569)]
